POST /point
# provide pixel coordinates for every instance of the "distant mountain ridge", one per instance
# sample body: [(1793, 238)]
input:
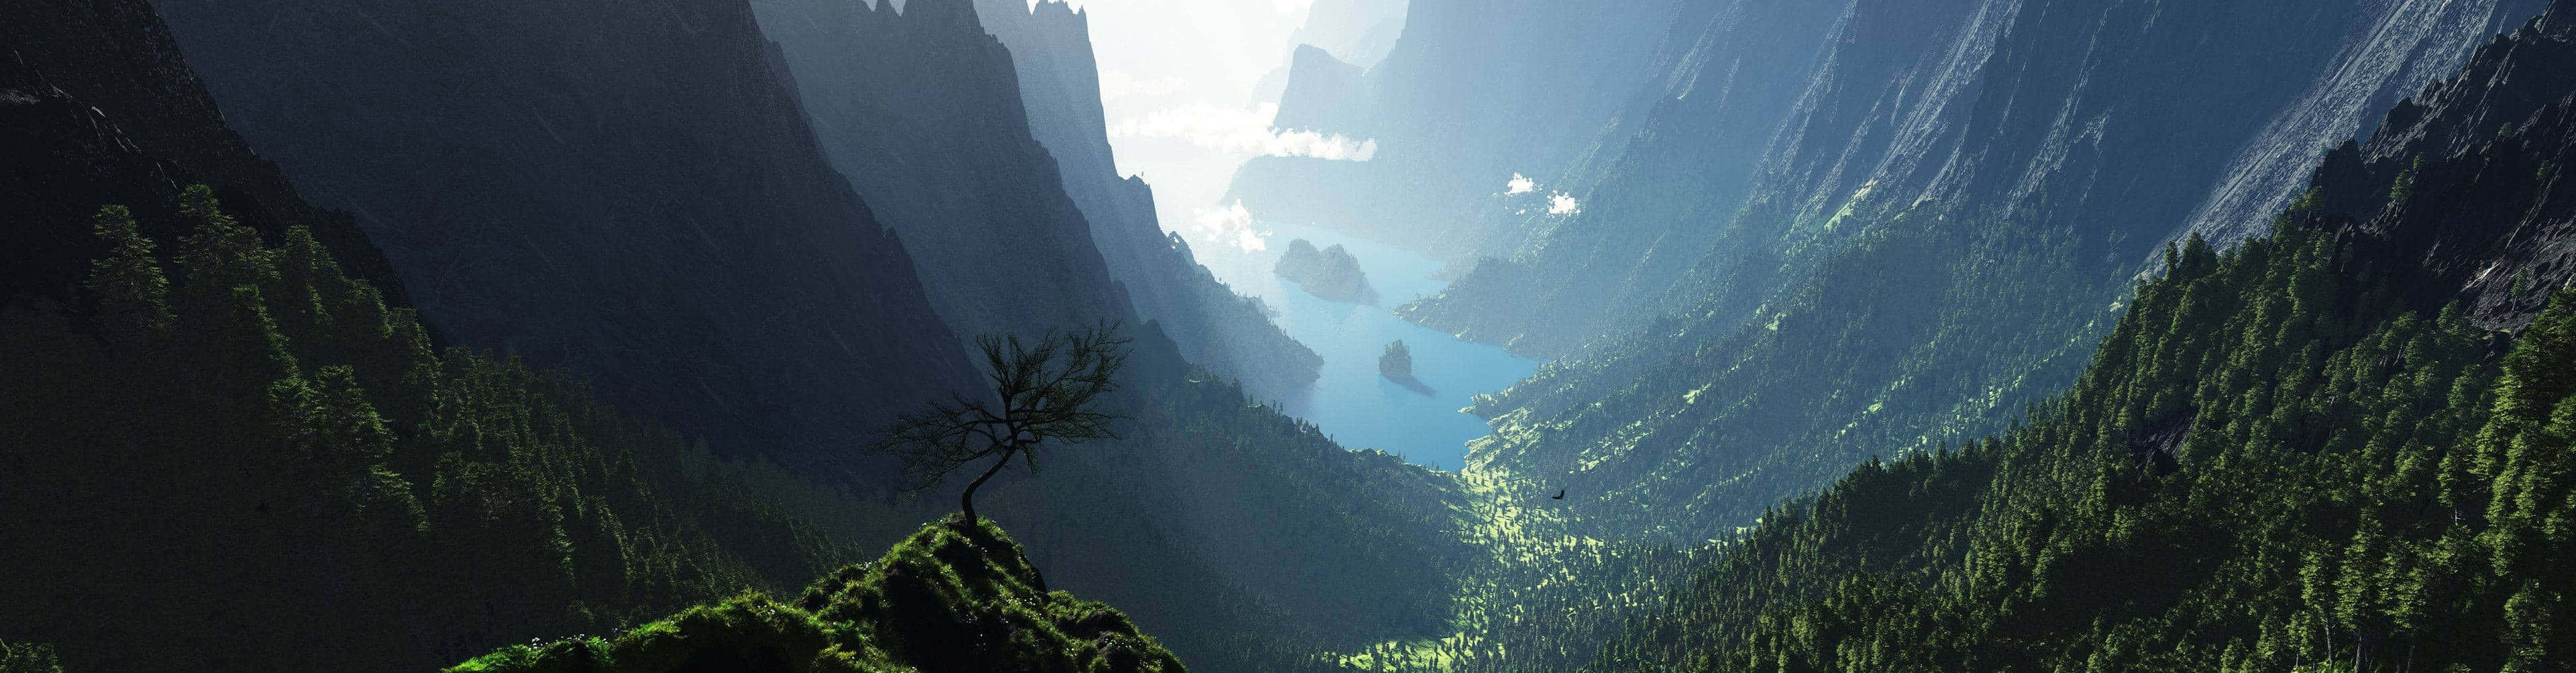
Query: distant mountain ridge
[(1469, 94), (1359, 32)]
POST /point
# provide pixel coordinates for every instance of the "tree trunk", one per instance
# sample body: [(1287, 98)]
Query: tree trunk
[(967, 501)]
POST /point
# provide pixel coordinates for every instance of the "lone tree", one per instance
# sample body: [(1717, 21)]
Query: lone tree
[(1049, 390)]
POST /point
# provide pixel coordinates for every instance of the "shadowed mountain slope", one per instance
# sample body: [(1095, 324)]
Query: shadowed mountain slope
[(2312, 451), (630, 192)]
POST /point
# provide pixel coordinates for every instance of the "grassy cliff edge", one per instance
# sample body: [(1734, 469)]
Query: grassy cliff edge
[(955, 596)]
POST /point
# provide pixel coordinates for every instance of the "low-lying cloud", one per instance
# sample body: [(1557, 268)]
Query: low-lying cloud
[(1230, 225), (1243, 131), (1558, 202), (1562, 203)]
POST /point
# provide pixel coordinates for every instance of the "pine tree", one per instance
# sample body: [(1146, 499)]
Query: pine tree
[(132, 296)]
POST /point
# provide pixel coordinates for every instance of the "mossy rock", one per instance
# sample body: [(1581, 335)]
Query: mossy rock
[(952, 597)]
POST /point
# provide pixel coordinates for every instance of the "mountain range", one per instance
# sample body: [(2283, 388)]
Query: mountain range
[(1992, 335)]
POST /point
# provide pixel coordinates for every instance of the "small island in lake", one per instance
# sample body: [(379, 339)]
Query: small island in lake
[(1396, 364), (1331, 273)]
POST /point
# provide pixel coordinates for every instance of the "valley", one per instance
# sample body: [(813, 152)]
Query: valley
[(1398, 336)]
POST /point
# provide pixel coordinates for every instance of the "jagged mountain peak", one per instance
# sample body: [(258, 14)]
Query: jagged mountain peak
[(1058, 10), (2505, 82)]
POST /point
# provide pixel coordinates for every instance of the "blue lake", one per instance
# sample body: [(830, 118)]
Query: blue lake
[(1351, 401)]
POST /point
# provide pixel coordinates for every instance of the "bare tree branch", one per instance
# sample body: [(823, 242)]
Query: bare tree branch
[(1048, 390)]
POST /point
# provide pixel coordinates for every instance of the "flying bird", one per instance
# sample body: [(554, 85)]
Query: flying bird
[(1560, 495)]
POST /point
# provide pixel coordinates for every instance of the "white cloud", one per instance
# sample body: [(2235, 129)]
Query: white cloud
[(1520, 185), (1231, 225), (1562, 203), (1286, 7), (1243, 131), (1115, 85)]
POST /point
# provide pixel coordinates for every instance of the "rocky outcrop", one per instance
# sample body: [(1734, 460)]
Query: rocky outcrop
[(2463, 188), (1331, 273), (956, 596), (627, 190), (2387, 56)]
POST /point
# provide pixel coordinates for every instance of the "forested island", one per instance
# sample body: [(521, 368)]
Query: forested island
[(1331, 273), (1397, 362)]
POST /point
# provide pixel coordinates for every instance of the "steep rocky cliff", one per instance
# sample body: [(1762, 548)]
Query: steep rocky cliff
[(628, 190), (2462, 190), (921, 108), (1050, 47)]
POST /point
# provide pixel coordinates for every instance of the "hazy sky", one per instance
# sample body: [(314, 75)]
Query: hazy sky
[(1182, 81)]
